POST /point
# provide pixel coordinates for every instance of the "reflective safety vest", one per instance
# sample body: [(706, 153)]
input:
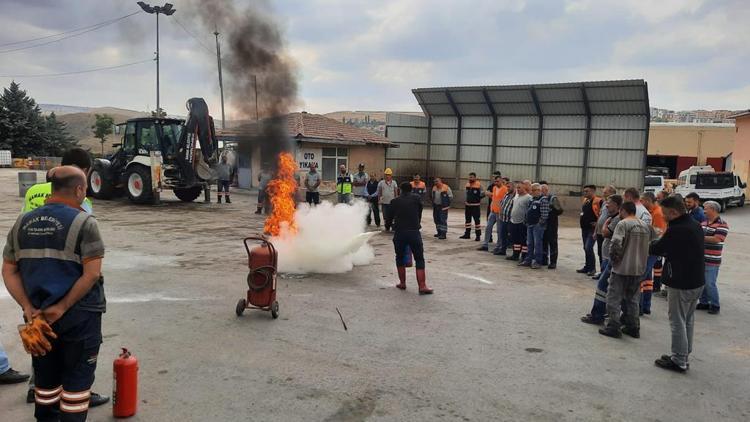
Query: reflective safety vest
[(418, 188), (47, 252), (344, 184), (37, 194), (498, 193), (473, 193)]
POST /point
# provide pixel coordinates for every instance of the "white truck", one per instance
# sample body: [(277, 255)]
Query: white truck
[(726, 188), (686, 180), (653, 184)]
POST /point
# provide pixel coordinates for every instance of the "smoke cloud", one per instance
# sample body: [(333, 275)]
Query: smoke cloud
[(253, 49), (330, 239)]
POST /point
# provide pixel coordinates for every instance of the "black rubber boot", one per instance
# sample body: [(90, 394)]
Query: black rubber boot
[(218, 199), (228, 201), (467, 234), (478, 235)]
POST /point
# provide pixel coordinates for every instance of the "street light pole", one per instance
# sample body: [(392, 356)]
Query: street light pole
[(167, 10), (221, 83)]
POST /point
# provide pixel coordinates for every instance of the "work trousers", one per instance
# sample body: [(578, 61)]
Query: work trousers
[(534, 240), (222, 188), (710, 295), (503, 233), (550, 242), (4, 364), (518, 234), (312, 198), (344, 198), (599, 309), (681, 321), (623, 289), (599, 241), (374, 212), (492, 220), (647, 284), (411, 239), (588, 248), (387, 216), (472, 212), (440, 217), (63, 377)]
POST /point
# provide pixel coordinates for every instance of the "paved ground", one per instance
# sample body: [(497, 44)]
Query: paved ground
[(494, 343)]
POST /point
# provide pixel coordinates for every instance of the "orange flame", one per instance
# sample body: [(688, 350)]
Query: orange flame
[(281, 191)]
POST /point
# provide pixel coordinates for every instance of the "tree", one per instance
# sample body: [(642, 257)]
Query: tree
[(21, 124), (57, 136), (102, 128)]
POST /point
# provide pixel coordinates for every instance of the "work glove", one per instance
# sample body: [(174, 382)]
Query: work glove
[(34, 336)]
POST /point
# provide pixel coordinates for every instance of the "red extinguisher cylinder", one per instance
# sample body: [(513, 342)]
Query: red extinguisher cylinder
[(125, 385)]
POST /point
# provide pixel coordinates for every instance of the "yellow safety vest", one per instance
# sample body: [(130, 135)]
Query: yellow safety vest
[(344, 184)]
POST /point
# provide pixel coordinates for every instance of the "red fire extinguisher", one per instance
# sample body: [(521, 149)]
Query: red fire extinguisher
[(125, 385)]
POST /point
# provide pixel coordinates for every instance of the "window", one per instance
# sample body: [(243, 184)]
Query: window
[(128, 141), (147, 139), (332, 159)]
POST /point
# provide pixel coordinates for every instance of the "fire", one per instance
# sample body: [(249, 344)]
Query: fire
[(281, 190)]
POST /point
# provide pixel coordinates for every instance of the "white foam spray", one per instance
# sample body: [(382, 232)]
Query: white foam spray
[(330, 239)]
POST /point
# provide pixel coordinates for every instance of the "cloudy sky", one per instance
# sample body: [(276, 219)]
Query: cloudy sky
[(368, 55)]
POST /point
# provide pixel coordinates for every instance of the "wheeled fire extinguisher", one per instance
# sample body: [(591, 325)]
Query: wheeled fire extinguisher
[(125, 385)]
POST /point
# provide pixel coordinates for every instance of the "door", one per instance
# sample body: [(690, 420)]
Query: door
[(127, 149), (716, 162), (684, 163)]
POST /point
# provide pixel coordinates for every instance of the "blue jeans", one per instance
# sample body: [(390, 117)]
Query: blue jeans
[(4, 365), (599, 310), (534, 241), (710, 293), (491, 221), (588, 248), (503, 242)]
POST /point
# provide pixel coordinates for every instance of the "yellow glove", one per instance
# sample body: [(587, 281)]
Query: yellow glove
[(34, 337)]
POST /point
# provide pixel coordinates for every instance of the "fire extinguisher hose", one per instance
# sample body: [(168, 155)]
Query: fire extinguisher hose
[(267, 271)]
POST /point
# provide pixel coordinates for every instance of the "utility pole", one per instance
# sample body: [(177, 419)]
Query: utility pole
[(255, 85), (167, 10), (221, 83)]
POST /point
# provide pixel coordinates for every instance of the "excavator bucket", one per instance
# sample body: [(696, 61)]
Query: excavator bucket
[(198, 130)]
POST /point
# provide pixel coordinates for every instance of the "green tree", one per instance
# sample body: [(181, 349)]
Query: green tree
[(22, 127), (103, 128), (58, 139)]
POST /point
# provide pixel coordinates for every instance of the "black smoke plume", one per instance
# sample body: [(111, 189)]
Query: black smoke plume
[(253, 47)]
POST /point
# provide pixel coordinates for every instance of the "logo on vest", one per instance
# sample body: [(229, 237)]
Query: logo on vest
[(48, 227)]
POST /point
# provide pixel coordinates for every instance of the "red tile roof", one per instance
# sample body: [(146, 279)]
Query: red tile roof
[(315, 127)]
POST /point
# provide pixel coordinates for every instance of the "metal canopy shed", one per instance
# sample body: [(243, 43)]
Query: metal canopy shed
[(569, 134)]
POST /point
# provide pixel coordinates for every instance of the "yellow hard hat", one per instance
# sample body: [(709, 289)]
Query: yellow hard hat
[(388, 171)]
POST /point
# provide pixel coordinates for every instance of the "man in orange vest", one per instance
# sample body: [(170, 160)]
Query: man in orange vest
[(472, 209), (418, 187), (496, 193), (654, 265)]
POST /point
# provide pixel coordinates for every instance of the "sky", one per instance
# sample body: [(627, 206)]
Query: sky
[(368, 55)]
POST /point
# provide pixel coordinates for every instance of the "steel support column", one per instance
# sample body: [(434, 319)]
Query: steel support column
[(587, 141), (493, 153), (538, 170), (459, 124), (646, 131), (429, 147)]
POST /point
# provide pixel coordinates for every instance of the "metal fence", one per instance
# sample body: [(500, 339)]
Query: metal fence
[(567, 134)]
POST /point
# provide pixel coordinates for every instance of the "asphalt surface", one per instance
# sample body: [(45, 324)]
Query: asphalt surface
[(495, 342)]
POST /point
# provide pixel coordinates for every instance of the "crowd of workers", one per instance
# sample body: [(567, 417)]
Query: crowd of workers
[(53, 256), (642, 241)]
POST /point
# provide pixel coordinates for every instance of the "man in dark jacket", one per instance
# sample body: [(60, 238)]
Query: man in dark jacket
[(407, 213), (682, 245)]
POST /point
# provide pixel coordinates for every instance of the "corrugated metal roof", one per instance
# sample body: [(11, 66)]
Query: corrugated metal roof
[(624, 97)]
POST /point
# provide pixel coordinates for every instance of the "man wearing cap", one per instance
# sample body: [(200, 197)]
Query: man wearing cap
[(359, 183), (387, 192)]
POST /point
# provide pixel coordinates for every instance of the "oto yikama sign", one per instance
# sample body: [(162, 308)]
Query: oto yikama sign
[(307, 156)]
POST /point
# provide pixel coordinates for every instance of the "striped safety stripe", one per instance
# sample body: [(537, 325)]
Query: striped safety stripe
[(74, 408), (81, 395), (46, 397)]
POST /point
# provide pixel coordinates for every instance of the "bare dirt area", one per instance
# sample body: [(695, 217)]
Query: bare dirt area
[(495, 342)]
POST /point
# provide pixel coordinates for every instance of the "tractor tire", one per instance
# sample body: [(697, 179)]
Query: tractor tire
[(723, 205), (99, 186), (138, 185), (188, 194)]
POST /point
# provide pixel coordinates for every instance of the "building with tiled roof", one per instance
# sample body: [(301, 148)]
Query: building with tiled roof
[(315, 139)]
